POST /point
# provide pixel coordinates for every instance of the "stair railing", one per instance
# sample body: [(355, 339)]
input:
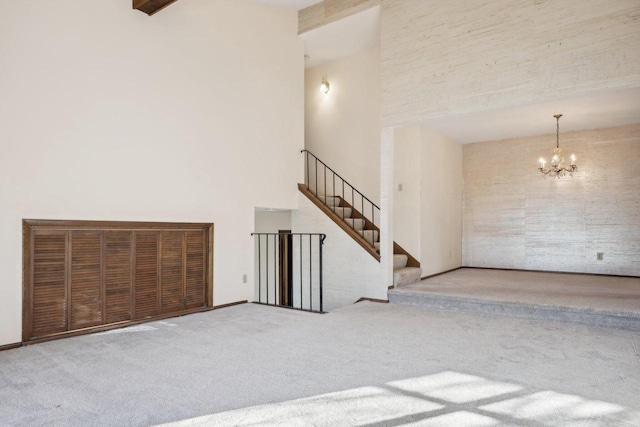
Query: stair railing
[(321, 184), (289, 270)]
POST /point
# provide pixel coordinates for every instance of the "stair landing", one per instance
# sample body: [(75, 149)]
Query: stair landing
[(607, 301)]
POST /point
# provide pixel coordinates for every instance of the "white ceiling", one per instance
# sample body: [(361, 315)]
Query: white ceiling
[(289, 4), (596, 110), (342, 38)]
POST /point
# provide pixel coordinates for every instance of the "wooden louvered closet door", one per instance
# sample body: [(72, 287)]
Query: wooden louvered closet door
[(85, 303), (80, 276), (146, 274), (48, 281), (118, 259)]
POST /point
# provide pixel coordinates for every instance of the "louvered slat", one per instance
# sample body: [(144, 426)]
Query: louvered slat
[(172, 278), (86, 279), (49, 265), (195, 286), (83, 275), (118, 276), (146, 274)]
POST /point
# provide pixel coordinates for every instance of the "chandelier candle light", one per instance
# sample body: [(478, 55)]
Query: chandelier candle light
[(558, 169)]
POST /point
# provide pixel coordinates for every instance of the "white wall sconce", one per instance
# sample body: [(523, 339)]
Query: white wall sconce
[(324, 86)]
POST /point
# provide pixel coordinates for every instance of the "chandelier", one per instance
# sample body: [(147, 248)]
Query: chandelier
[(558, 169)]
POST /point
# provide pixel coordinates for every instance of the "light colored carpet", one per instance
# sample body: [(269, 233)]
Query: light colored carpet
[(554, 289), (367, 364)]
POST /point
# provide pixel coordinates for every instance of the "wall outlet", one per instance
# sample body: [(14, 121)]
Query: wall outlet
[(244, 278), (600, 256)]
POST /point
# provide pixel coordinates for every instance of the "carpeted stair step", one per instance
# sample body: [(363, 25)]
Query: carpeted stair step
[(377, 245), (330, 200), (355, 223), (367, 234), (399, 261), (406, 275), (343, 212)]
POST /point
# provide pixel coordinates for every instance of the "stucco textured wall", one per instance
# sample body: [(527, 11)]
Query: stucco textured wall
[(459, 56)]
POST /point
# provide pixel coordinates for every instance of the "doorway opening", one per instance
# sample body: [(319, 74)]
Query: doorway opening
[(285, 244)]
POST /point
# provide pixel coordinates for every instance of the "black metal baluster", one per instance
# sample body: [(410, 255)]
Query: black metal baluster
[(301, 272), (334, 186), (373, 227), (342, 199), (316, 176), (320, 241), (353, 204), (362, 213), (275, 270), (325, 184), (308, 179), (259, 272), (267, 275), (310, 275)]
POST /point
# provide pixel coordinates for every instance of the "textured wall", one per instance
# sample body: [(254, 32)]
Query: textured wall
[(514, 218), (458, 56), (330, 11)]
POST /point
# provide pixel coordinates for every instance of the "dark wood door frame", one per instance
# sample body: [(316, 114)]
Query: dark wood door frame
[(285, 267)]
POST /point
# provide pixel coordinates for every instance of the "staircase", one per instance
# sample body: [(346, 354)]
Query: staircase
[(339, 199), (403, 275)]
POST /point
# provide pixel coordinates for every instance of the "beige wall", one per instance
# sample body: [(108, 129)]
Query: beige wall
[(109, 114), (453, 57), (427, 213), (342, 127), (407, 209), (441, 203), (514, 218)]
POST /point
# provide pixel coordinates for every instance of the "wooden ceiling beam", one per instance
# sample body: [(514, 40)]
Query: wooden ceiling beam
[(151, 6)]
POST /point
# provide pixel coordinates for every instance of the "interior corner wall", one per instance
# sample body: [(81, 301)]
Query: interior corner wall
[(342, 127), (427, 212), (454, 57), (440, 203), (407, 209), (109, 114), (515, 218)]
